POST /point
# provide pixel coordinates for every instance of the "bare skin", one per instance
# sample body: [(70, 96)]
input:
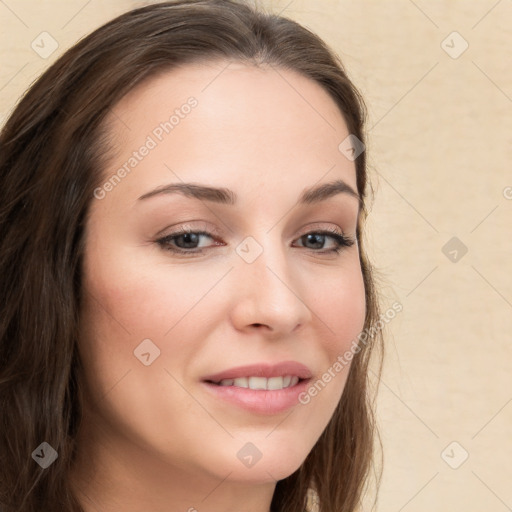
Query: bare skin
[(152, 437)]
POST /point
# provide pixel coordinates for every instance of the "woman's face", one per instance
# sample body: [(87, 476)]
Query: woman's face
[(247, 287)]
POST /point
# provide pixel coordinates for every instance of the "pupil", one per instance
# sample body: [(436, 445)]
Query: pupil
[(318, 237), (187, 237)]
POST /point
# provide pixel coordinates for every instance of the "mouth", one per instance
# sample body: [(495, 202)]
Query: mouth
[(262, 375), (260, 383), (262, 389)]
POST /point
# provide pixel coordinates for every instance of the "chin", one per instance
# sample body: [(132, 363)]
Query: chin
[(269, 468)]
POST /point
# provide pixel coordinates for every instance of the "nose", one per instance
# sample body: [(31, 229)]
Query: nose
[(268, 296)]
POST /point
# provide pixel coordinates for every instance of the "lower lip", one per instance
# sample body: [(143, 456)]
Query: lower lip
[(260, 401)]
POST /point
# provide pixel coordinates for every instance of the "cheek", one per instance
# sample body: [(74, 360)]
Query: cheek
[(340, 305), (340, 310), (125, 303), (141, 298), (129, 299)]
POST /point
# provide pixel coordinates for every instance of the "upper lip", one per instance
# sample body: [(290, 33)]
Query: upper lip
[(263, 370)]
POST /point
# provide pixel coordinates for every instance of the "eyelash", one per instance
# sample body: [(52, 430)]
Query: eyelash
[(338, 236)]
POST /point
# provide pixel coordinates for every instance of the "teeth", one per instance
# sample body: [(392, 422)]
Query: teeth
[(241, 382), (275, 383), (271, 383), (257, 383)]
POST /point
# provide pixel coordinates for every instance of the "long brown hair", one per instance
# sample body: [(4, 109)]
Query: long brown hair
[(52, 152)]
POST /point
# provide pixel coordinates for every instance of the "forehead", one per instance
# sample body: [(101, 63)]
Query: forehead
[(229, 124)]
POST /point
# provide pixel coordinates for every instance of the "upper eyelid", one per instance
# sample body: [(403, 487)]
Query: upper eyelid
[(212, 231)]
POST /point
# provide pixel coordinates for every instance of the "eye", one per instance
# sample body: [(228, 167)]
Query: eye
[(319, 237), (187, 241), (184, 241)]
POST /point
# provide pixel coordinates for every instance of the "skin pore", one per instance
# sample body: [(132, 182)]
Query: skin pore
[(152, 437)]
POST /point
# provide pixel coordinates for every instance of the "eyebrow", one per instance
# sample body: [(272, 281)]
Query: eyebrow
[(223, 195)]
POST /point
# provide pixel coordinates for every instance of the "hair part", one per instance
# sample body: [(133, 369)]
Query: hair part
[(53, 149)]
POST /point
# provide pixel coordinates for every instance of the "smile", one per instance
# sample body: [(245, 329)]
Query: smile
[(272, 383)]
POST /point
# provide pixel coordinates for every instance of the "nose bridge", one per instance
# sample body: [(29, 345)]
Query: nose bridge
[(265, 257), (269, 288)]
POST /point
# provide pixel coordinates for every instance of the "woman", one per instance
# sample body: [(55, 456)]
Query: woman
[(187, 308)]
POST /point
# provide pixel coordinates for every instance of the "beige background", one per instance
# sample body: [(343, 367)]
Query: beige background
[(440, 151)]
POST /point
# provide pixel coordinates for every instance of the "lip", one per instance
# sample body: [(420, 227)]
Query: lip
[(267, 370), (260, 401)]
